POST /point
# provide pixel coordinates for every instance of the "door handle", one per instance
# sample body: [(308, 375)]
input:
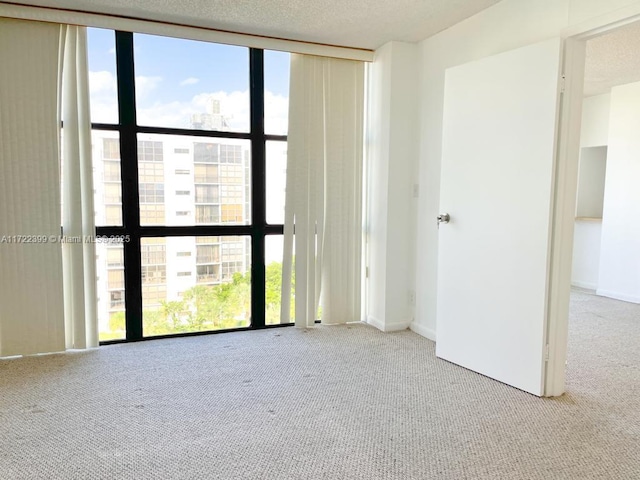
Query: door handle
[(443, 218)]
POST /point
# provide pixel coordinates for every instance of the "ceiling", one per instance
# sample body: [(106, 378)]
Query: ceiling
[(350, 23), (612, 59)]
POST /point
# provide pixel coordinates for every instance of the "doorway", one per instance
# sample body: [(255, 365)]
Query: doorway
[(605, 296)]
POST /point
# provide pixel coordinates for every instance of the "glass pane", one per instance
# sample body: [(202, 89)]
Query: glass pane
[(107, 184), (276, 92), (111, 308), (194, 284), (276, 153), (101, 49), (273, 280), (190, 84), (194, 180)]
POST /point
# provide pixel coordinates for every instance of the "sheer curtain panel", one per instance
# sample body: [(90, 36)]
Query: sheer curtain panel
[(324, 190), (79, 258), (31, 298)]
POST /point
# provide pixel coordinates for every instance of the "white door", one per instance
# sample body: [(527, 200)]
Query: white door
[(499, 145)]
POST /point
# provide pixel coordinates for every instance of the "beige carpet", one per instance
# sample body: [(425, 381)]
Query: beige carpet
[(333, 402)]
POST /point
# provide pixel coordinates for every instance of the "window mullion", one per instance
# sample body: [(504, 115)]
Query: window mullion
[(258, 188), (130, 188)]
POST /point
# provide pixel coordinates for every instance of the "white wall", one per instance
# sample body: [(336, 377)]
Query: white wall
[(595, 121), (594, 136), (620, 256), (593, 163), (586, 253), (392, 146), (588, 225), (507, 25)]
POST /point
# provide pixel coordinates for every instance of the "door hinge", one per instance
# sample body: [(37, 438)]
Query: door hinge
[(546, 352), (563, 83)]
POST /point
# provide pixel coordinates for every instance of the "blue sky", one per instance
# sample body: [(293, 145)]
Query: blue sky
[(174, 77)]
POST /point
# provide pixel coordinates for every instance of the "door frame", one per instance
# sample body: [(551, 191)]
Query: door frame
[(565, 187)]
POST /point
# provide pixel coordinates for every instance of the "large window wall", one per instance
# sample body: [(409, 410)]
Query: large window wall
[(189, 151)]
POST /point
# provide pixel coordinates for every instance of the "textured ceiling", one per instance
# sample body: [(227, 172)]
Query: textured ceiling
[(612, 59), (351, 23)]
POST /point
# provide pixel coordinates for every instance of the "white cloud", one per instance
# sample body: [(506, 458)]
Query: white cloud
[(103, 94), (145, 85), (233, 105), (112, 51), (101, 82), (276, 113), (189, 81)]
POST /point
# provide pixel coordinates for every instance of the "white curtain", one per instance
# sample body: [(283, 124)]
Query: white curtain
[(31, 305), (47, 288), (79, 258), (323, 207)]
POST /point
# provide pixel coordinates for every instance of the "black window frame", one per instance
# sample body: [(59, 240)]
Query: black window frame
[(128, 130)]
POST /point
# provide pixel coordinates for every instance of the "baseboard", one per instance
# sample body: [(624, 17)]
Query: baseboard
[(585, 285), (618, 296), (424, 331), (388, 327)]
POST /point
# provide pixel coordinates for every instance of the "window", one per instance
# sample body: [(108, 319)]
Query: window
[(229, 269), (115, 257), (151, 193), (230, 154), (231, 213), (202, 240), (231, 175), (153, 252), (206, 174), (153, 295), (208, 274), (113, 215), (151, 172), (112, 193), (207, 214), (276, 180), (205, 152), (199, 161), (151, 214), (181, 196), (207, 254), (154, 274), (111, 148), (111, 171), (150, 151), (231, 193), (116, 279), (276, 92), (116, 299), (207, 194), (107, 179)]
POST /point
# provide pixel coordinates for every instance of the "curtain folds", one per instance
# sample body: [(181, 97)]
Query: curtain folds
[(323, 204), (79, 258), (31, 307), (47, 284)]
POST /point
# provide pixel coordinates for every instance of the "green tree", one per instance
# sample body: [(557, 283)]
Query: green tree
[(211, 307), (273, 293), (116, 327)]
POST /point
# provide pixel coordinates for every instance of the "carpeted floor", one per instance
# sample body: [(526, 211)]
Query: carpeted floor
[(333, 403)]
